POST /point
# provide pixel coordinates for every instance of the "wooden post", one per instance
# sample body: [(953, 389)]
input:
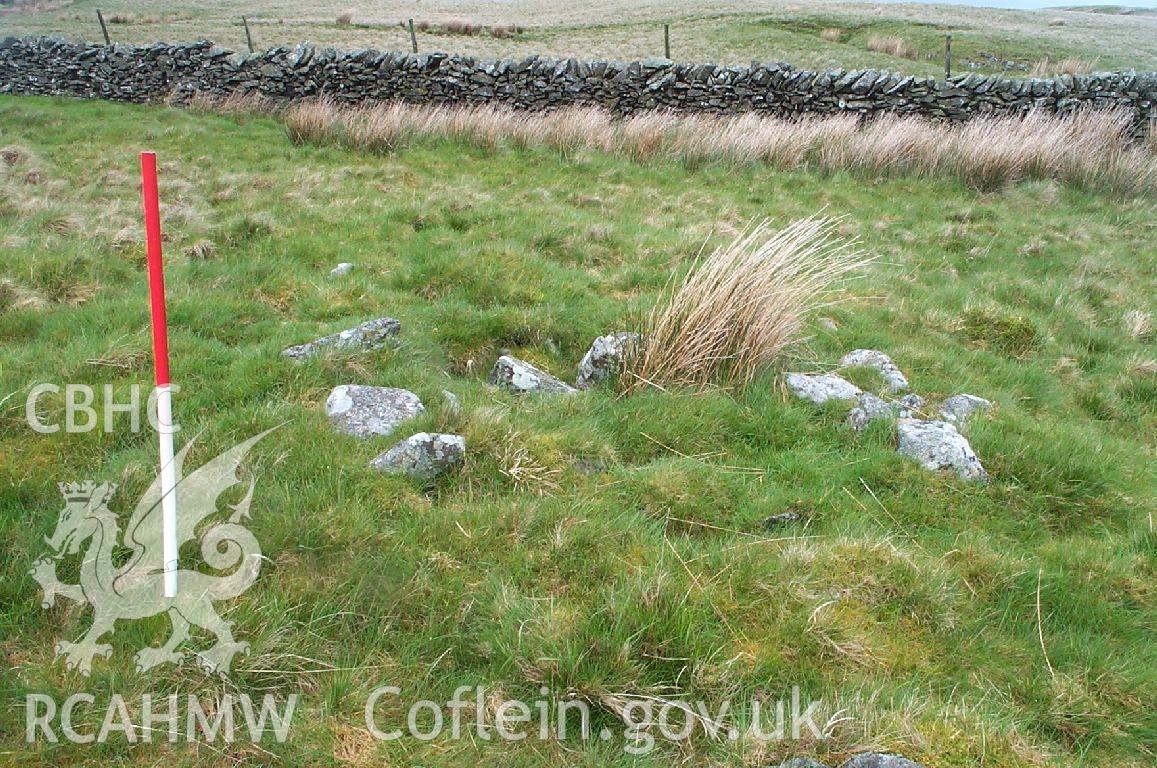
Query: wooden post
[(667, 41), (248, 37), (947, 56), (413, 37), (103, 28)]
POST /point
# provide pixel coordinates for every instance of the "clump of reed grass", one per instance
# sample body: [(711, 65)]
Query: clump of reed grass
[(893, 45), (734, 312), (1070, 65), (1089, 148)]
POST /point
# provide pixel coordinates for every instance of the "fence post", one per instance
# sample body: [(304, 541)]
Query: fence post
[(667, 41), (413, 37), (103, 28), (248, 37), (947, 56)]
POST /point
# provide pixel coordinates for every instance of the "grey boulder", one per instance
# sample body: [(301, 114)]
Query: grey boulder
[(894, 378), (520, 376), (368, 335), (869, 407), (820, 388), (364, 411), (423, 456), (341, 269), (879, 760), (938, 446), (604, 360), (958, 409), (802, 762)]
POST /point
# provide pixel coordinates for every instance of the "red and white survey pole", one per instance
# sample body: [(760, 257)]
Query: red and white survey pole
[(161, 365)]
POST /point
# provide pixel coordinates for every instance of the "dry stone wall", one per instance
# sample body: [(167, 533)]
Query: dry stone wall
[(175, 71)]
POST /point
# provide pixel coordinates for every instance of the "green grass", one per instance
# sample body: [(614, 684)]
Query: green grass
[(652, 573)]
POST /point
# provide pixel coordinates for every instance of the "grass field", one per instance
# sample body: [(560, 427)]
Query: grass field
[(606, 546), (726, 32)]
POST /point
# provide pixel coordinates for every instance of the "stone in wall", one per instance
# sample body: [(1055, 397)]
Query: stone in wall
[(53, 66)]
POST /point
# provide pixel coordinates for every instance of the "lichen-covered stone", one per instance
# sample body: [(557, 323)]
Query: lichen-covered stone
[(894, 378), (368, 335), (423, 456), (802, 762), (879, 760), (958, 409), (820, 388), (365, 411), (939, 447), (869, 408), (604, 360), (341, 269), (520, 376)]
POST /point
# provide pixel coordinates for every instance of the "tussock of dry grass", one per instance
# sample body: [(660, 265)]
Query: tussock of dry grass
[(1068, 66), (737, 310), (893, 45), (234, 104), (1091, 148), (832, 34), (345, 19)]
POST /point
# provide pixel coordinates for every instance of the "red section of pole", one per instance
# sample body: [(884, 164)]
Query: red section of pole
[(156, 271)]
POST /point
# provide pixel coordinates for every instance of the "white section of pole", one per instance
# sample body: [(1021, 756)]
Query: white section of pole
[(168, 488)]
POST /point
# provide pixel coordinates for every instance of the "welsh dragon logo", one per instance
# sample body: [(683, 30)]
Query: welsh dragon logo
[(134, 590)]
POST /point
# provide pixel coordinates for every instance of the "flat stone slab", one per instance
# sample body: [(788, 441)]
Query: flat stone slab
[(520, 376), (958, 409), (820, 388), (423, 456), (939, 447), (365, 411), (894, 378), (869, 408), (368, 335), (604, 360)]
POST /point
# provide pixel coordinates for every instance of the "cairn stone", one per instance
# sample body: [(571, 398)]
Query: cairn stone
[(939, 447), (869, 407), (368, 335), (958, 409), (604, 360), (879, 760), (894, 378), (520, 376), (423, 456), (366, 411), (820, 388)]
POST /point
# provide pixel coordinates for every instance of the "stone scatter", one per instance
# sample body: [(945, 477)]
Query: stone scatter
[(936, 444)]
